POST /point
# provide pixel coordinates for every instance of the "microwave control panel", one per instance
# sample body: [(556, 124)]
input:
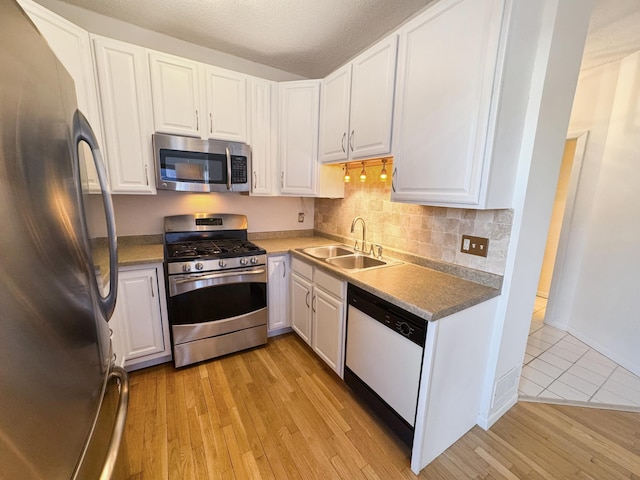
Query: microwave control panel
[(238, 169)]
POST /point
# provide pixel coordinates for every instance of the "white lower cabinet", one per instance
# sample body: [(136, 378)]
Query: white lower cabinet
[(278, 295), (139, 322), (318, 312)]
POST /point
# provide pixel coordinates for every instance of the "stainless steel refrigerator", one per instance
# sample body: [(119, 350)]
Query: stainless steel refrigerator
[(62, 401)]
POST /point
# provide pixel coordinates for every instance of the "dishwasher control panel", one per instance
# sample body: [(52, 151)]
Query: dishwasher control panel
[(404, 323)]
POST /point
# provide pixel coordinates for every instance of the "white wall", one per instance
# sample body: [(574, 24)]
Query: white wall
[(562, 33), (591, 113), (144, 214), (605, 311), (126, 32)]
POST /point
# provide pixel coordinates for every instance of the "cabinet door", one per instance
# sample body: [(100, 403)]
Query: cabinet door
[(372, 91), (138, 311), (328, 328), (278, 293), (176, 94), (334, 115), (71, 45), (123, 79), (226, 105), (446, 68), (264, 139), (301, 307), (299, 108)]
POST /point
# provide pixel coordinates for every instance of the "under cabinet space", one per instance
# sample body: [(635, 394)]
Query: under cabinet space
[(278, 294), (318, 312), (140, 323)]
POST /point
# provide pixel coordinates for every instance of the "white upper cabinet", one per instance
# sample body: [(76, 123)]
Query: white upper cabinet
[(176, 94), (334, 115), (194, 99), (123, 78), (372, 89), (263, 101), (299, 108), (357, 105), (71, 45), (446, 102), (226, 104)]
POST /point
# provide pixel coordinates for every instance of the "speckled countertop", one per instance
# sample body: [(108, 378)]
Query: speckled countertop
[(140, 254), (423, 291), (428, 293)]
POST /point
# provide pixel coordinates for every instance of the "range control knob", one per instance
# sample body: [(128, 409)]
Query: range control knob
[(199, 266), (254, 260), (404, 328), (222, 263), (186, 267), (244, 261)]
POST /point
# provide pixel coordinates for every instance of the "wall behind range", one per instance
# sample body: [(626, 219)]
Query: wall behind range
[(144, 214), (430, 232)]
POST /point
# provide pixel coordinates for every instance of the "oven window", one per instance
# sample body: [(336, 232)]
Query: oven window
[(192, 167), (217, 303)]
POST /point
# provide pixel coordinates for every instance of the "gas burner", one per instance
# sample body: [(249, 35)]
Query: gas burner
[(183, 250)]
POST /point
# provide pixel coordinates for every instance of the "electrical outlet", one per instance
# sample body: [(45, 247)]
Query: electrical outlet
[(301, 217), (474, 245)]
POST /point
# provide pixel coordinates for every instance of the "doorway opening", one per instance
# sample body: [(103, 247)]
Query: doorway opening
[(557, 366)]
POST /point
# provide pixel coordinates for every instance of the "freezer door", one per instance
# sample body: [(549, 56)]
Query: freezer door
[(54, 355)]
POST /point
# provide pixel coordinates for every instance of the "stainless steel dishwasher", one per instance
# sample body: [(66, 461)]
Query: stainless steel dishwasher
[(384, 351)]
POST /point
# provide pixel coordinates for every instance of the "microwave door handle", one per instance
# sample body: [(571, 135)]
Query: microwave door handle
[(228, 168)]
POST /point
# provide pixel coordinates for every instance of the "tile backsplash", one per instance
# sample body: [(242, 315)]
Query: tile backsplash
[(434, 233)]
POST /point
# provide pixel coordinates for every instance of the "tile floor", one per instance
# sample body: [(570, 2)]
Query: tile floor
[(560, 368)]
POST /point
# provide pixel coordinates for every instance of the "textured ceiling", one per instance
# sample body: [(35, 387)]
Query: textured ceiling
[(313, 37), (306, 37), (614, 32)]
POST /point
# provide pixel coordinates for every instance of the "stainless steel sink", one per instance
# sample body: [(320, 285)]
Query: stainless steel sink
[(346, 258), (328, 251), (357, 261)]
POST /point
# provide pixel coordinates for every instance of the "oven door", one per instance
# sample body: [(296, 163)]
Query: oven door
[(216, 303)]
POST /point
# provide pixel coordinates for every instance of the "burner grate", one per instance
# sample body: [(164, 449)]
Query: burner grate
[(211, 249)]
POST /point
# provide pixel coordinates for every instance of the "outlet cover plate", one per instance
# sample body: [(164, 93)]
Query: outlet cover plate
[(474, 245)]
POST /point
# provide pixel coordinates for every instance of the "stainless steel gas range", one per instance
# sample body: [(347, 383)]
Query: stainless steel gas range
[(217, 284)]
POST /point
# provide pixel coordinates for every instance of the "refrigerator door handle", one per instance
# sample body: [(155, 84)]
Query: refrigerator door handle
[(121, 416), (82, 132)]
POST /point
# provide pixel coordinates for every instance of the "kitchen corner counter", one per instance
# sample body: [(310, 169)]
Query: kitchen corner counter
[(139, 254), (428, 293), (280, 246), (425, 292)]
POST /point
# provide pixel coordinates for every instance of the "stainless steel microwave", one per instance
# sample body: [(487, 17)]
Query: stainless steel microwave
[(189, 164)]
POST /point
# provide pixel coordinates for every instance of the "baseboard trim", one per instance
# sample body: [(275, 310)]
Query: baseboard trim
[(486, 422)]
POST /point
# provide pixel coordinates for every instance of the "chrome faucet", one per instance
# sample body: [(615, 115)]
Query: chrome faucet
[(364, 233)]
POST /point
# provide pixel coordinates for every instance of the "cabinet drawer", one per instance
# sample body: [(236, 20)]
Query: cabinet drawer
[(329, 283), (301, 268)]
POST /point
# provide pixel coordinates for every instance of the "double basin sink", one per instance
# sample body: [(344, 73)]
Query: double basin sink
[(346, 258)]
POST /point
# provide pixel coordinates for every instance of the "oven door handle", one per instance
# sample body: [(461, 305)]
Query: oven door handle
[(193, 282)]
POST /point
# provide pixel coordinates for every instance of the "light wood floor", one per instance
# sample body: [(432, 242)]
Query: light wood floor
[(277, 412)]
